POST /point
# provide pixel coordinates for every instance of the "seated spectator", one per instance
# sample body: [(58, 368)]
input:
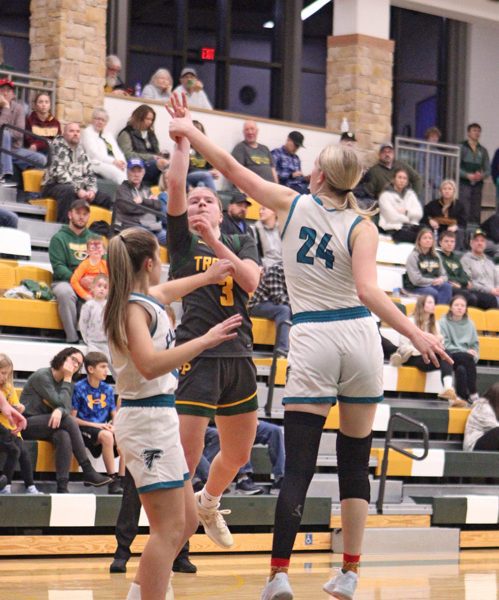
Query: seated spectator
[(254, 156), (159, 87), (69, 176), (458, 278), (138, 140), (268, 238), (200, 171), (400, 209), (41, 122), (271, 301), (425, 272), (481, 270), (67, 248), (407, 354), (106, 157), (12, 113), (192, 87), (482, 426), (382, 173), (234, 218), (130, 196), (47, 396), (288, 164), (8, 218), (461, 344), (491, 229), (446, 213), (94, 409), (113, 83), (92, 318), (93, 265)]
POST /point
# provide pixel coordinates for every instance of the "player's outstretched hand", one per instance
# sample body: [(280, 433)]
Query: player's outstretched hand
[(224, 331), (431, 348), (219, 270), (181, 117)]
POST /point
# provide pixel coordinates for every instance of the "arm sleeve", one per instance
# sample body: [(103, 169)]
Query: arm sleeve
[(495, 166), (415, 179), (413, 272), (61, 399), (415, 210), (248, 248), (77, 275), (474, 343), (84, 321), (486, 163), (391, 217), (239, 154), (443, 272), (57, 256), (179, 239)]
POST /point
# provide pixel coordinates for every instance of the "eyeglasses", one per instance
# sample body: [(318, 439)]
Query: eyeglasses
[(76, 361)]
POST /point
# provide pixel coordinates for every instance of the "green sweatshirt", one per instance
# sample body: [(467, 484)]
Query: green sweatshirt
[(459, 336), (42, 394), (66, 251), (454, 269)]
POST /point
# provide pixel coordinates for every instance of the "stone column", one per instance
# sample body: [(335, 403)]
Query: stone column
[(68, 43), (359, 71)]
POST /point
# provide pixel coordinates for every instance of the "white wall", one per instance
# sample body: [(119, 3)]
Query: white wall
[(482, 93), (463, 10)]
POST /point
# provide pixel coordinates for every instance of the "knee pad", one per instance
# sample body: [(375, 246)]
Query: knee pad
[(353, 466)]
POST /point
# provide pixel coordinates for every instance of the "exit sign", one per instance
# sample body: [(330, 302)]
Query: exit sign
[(207, 53)]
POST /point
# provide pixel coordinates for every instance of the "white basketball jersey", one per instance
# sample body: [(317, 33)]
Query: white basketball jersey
[(130, 384), (317, 256)]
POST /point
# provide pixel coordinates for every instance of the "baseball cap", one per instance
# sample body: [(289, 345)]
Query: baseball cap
[(8, 82), (477, 233), (348, 136), (239, 198), (79, 203), (297, 138), (385, 145), (135, 162), (187, 70)]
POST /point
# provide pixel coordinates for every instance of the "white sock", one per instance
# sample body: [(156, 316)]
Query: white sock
[(207, 500), (134, 592), (447, 382)]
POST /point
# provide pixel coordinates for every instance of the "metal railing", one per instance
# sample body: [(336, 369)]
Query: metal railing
[(434, 162), (390, 445), (27, 86)]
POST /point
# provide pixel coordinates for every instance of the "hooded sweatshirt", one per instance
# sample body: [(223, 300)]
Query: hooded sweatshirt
[(66, 251), (459, 336)]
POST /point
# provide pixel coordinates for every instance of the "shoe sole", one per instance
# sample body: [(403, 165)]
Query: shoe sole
[(215, 541), (282, 596), (338, 595), (93, 484)]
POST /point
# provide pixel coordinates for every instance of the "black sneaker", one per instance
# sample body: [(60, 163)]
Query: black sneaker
[(115, 486), (247, 487), (91, 477), (3, 481), (183, 565), (276, 487), (118, 566)]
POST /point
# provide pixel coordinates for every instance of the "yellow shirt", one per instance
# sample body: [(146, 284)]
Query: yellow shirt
[(10, 393)]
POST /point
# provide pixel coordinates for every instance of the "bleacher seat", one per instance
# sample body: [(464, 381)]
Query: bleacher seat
[(263, 331), (32, 180), (492, 321), (97, 213)]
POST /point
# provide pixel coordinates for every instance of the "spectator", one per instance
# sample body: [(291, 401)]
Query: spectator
[(67, 248), (288, 164), (407, 354), (271, 301), (92, 318), (93, 265), (256, 157), (348, 138), (130, 196), (268, 238), (461, 344), (446, 213), (481, 270), (47, 396), (105, 155), (431, 163), (382, 173), (8, 218), (495, 175), (113, 84), (94, 409), (425, 272), (200, 171), (458, 278), (41, 122), (491, 229), (482, 426), (400, 209), (138, 140), (70, 176), (474, 168), (234, 219), (192, 87), (12, 113), (159, 87)]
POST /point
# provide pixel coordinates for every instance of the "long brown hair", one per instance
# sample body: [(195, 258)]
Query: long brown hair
[(138, 116), (125, 255), (432, 251), (421, 319), (6, 362), (492, 395)]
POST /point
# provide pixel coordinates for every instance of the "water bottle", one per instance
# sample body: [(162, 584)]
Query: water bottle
[(396, 292), (344, 125), (138, 90)]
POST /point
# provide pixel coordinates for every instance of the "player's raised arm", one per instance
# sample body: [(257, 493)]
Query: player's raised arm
[(177, 178)]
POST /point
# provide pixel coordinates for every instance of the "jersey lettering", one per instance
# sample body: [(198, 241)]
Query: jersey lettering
[(323, 252)]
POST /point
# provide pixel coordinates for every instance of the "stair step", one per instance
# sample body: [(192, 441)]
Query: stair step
[(325, 485)]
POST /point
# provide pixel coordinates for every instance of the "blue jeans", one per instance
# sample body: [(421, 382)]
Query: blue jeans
[(201, 178), (8, 218), (7, 161), (442, 294), (278, 313)]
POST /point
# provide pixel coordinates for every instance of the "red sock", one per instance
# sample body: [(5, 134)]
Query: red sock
[(278, 565), (350, 562)]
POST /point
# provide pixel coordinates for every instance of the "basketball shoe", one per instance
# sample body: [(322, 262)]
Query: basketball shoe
[(214, 524), (278, 588), (342, 586)]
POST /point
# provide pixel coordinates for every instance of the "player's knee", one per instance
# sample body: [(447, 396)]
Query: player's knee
[(353, 466), (236, 457)]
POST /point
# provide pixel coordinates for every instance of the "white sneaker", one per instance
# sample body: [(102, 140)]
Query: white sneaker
[(32, 489), (278, 588), (342, 586), (6, 489), (214, 524)]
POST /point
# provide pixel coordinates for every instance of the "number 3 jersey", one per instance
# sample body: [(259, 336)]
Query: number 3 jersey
[(205, 307), (317, 256)]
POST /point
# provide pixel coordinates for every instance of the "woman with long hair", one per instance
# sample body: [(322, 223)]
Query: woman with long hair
[(42, 122), (329, 254), (482, 426), (446, 213)]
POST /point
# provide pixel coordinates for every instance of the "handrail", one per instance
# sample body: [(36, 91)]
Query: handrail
[(389, 444), (273, 369), (12, 152), (27, 83)]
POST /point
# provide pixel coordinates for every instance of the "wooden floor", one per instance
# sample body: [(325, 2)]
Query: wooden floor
[(474, 575)]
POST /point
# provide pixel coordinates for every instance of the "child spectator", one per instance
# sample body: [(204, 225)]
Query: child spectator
[(94, 408), (407, 354), (461, 343), (482, 426), (93, 265), (12, 443), (41, 122), (425, 272)]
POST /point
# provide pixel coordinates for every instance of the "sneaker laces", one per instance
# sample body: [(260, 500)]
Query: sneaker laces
[(217, 518)]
